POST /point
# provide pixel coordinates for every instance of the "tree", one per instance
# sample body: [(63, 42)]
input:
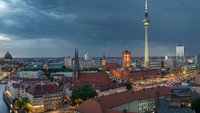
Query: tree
[(25, 100), (22, 103), (196, 105), (82, 93), (129, 86)]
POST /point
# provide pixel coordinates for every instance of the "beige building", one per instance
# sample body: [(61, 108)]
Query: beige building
[(42, 94), (13, 88), (45, 97)]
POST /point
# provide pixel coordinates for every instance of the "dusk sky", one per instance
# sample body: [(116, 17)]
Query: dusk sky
[(30, 28)]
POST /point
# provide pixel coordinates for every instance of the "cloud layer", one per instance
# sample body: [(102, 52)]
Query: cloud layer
[(56, 27)]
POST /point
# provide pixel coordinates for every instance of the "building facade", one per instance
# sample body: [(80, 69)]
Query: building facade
[(126, 58), (180, 51)]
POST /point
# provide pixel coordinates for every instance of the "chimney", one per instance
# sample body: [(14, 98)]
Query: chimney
[(124, 111)]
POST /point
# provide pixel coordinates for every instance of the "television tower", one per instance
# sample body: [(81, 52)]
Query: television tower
[(146, 22)]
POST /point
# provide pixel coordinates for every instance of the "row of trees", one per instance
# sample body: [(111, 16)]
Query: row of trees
[(84, 92), (50, 70), (22, 104)]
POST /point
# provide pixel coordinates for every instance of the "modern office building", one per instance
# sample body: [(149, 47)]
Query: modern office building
[(180, 56), (180, 51)]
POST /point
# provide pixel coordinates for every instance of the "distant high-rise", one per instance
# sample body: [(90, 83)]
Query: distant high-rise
[(68, 62), (180, 51), (146, 22), (197, 60), (76, 65), (86, 57), (126, 58)]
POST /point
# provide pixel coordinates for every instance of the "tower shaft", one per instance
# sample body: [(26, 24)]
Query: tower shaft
[(146, 22), (146, 60)]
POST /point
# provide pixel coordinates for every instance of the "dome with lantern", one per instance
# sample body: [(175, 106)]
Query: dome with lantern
[(7, 56)]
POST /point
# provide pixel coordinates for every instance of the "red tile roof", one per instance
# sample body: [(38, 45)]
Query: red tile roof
[(90, 106), (108, 86), (44, 89), (94, 106), (104, 104), (113, 100), (112, 65), (116, 111), (136, 74), (94, 78), (16, 85)]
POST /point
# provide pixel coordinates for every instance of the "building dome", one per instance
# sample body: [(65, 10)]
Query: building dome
[(7, 55)]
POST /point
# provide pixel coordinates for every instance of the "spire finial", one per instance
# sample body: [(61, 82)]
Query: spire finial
[(76, 60), (104, 53)]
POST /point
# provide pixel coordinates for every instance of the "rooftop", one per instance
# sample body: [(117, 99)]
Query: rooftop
[(94, 78), (97, 107), (104, 104), (44, 89)]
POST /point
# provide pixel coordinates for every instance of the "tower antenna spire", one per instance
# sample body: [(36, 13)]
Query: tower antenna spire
[(146, 6)]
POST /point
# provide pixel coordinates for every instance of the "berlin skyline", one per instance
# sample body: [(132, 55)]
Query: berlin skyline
[(54, 28)]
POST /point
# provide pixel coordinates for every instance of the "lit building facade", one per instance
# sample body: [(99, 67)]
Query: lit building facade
[(45, 97), (126, 58), (181, 96), (103, 60)]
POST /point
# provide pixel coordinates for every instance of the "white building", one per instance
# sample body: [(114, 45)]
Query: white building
[(86, 57), (30, 74), (180, 50), (68, 61), (87, 64), (13, 88), (59, 75)]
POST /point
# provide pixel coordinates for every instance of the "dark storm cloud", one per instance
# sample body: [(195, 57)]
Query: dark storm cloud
[(93, 25)]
